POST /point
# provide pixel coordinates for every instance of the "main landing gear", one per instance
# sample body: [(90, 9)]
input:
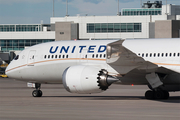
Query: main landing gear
[(155, 85), (37, 92), (157, 95)]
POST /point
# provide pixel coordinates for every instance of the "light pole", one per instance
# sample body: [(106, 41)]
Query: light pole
[(118, 8), (67, 8), (53, 8), (166, 7)]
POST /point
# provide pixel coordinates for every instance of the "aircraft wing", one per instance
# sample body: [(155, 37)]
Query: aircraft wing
[(127, 63), (124, 60)]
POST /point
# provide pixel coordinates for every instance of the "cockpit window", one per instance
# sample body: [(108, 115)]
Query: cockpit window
[(17, 57)]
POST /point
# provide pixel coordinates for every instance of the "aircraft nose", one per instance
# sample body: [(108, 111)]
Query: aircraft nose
[(9, 71)]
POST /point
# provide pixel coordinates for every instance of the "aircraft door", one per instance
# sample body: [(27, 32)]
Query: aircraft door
[(31, 58)]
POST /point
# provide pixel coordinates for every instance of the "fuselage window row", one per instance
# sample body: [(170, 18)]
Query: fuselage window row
[(66, 56), (99, 56), (56, 56), (159, 54)]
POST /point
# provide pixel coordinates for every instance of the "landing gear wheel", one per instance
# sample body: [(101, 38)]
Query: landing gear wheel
[(149, 94), (159, 95), (166, 94), (40, 93), (37, 93)]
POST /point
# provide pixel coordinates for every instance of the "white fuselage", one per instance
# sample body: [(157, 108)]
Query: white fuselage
[(162, 52), (45, 63)]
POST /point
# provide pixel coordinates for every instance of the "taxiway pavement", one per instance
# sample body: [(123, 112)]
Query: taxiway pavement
[(117, 103)]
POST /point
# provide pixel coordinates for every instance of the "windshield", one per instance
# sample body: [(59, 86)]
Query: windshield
[(16, 57)]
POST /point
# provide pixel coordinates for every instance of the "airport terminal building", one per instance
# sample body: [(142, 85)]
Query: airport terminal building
[(163, 22), (151, 21)]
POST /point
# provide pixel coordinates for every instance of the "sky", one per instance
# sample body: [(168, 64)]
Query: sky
[(36, 11)]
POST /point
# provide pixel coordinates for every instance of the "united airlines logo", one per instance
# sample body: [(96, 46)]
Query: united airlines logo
[(71, 49)]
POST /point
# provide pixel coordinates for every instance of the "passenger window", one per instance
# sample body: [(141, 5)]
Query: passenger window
[(66, 56), (166, 54), (59, 56), (96, 55), (146, 54), (52, 56), (174, 54), (170, 54), (162, 54), (104, 55), (100, 55), (150, 54), (93, 56), (139, 54), (178, 55), (85, 56), (45, 57), (63, 56), (158, 54), (56, 56), (16, 58), (143, 55), (48, 56), (154, 54)]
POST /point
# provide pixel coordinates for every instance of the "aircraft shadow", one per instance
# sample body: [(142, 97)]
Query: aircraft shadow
[(173, 99)]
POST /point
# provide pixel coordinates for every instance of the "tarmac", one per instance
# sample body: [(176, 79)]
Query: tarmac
[(119, 102)]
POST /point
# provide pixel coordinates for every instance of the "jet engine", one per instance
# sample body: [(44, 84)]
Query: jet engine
[(84, 79)]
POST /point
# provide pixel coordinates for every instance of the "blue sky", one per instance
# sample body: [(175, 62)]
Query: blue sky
[(33, 11)]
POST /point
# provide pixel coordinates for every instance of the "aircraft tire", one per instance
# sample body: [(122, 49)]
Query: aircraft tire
[(159, 95), (149, 94), (40, 93), (166, 94), (37, 93)]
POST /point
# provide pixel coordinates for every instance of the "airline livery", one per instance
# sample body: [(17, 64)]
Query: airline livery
[(91, 66)]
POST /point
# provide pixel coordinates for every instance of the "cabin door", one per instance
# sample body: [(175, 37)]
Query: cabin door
[(31, 58)]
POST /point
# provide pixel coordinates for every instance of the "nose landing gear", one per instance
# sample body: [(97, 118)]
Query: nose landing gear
[(37, 92)]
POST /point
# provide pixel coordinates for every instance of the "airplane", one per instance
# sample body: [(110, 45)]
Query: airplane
[(91, 66)]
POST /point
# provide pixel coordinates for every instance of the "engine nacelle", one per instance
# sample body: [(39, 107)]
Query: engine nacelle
[(81, 79)]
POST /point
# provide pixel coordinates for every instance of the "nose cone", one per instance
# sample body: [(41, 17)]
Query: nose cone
[(11, 71), (8, 70)]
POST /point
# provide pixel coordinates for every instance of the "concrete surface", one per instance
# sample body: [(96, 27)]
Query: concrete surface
[(117, 103)]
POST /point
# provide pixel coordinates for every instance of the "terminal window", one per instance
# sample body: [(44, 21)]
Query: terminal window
[(20, 28), (8, 45), (113, 27), (131, 12)]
